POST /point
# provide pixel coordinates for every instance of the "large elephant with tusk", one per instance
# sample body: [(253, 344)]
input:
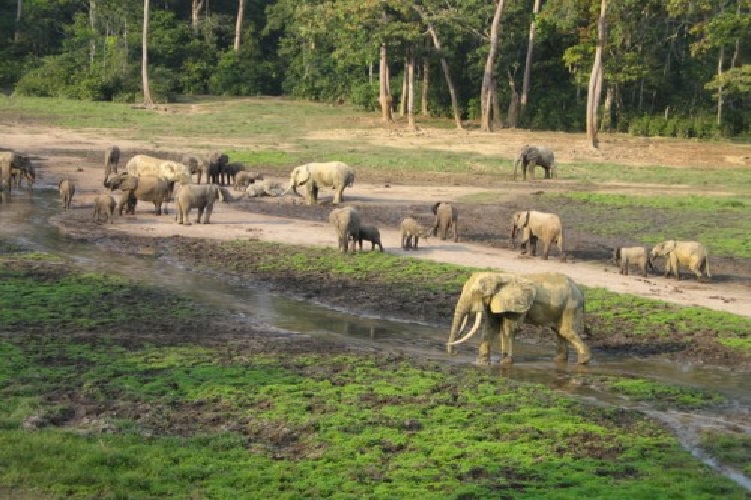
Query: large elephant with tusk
[(503, 301)]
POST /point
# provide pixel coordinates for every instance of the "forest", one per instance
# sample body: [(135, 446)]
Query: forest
[(677, 68)]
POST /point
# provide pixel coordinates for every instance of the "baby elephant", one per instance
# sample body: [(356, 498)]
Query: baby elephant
[(67, 190), (371, 234), (638, 256), (104, 204), (411, 233)]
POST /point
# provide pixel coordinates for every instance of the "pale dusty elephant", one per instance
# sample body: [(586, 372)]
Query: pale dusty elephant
[(531, 156), (446, 217), (346, 222), (67, 190), (543, 226), (111, 160), (200, 197), (503, 301), (691, 254), (637, 256), (244, 178), (142, 165), (313, 176), (104, 206), (411, 231), (144, 188)]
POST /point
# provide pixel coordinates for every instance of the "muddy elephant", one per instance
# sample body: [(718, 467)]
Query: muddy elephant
[(111, 161), (691, 254), (67, 189), (504, 301), (531, 156), (371, 234), (245, 178), (200, 197), (411, 232), (637, 256), (446, 217), (346, 222), (104, 206), (145, 188), (13, 166), (334, 174), (216, 164), (533, 226)]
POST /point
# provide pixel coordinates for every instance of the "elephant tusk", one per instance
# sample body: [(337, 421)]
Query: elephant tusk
[(478, 320)]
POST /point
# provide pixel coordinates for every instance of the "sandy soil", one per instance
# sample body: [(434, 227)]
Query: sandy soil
[(61, 153)]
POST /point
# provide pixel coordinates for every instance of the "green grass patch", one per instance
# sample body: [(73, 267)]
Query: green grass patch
[(662, 396), (729, 448)]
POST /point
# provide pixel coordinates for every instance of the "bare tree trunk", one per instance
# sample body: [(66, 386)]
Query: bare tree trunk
[(528, 60), (404, 99), (92, 21), (449, 81), (720, 89), (486, 93), (512, 119), (595, 80), (425, 86), (19, 13), (497, 123), (239, 23), (607, 111), (411, 90), (195, 11), (147, 100), (384, 93)]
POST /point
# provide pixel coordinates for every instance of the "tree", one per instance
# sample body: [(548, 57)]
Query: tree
[(384, 95), (595, 80), (19, 12), (239, 23), (147, 100), (528, 60), (488, 89), (195, 12)]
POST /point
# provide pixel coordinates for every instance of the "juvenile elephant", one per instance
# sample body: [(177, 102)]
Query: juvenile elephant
[(13, 163), (503, 301), (67, 190), (534, 226), (446, 216), (104, 205), (145, 188), (531, 156), (371, 234), (638, 256), (691, 254), (411, 231), (313, 176), (244, 178), (111, 161), (195, 165), (346, 222), (200, 197), (216, 164)]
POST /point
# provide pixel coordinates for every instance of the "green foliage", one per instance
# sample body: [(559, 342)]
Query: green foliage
[(663, 395), (730, 448)]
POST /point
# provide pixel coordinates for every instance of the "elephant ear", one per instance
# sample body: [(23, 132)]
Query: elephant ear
[(516, 296)]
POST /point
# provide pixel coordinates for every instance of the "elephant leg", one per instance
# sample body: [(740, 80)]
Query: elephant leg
[(507, 346), (675, 265), (624, 267), (568, 332), (561, 352), (337, 195), (207, 214), (545, 249)]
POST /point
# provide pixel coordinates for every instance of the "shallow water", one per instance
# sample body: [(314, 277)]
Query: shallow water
[(25, 221)]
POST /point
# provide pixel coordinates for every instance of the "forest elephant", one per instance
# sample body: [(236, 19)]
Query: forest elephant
[(104, 205), (411, 232), (111, 160), (446, 216), (245, 178), (371, 234), (691, 254), (346, 222), (143, 165), (195, 165), (531, 156), (200, 197), (13, 166), (67, 189), (534, 226), (627, 256), (313, 176), (145, 188), (504, 301), (216, 164)]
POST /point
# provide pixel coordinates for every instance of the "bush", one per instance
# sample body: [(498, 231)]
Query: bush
[(365, 95)]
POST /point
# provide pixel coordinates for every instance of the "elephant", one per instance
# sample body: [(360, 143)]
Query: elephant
[(195, 166), (200, 197), (104, 205), (264, 188), (12, 166), (144, 188), (313, 176), (142, 165), (371, 234), (215, 168), (538, 225), (531, 156), (111, 160), (67, 190), (412, 231), (346, 222), (504, 301), (691, 254), (244, 178), (639, 256), (446, 217)]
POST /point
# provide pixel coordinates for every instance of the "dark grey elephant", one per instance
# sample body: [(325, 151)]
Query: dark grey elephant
[(111, 161), (215, 168), (531, 156), (144, 188)]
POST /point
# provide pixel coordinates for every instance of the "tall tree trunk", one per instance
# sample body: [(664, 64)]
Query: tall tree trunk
[(720, 89), (486, 93), (447, 76), (528, 60), (195, 13), (19, 13), (425, 86), (92, 22), (147, 100), (384, 93), (512, 117), (411, 90), (496, 116), (405, 83), (595, 80), (239, 23)]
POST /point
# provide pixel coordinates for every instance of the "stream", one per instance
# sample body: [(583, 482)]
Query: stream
[(25, 222)]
